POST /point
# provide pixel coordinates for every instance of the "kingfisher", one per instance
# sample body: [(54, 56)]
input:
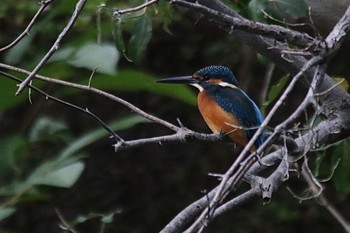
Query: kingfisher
[(223, 105)]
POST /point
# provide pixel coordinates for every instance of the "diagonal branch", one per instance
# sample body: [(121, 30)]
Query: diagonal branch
[(78, 8), (306, 70), (43, 6), (65, 103), (263, 46), (181, 133), (239, 23), (133, 9), (237, 170)]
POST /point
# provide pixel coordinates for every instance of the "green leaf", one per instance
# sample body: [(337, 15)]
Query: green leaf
[(132, 80), (98, 23), (118, 37), (84, 218), (105, 218), (255, 8), (10, 146), (6, 212), (57, 173), (91, 56), (63, 54), (16, 54), (277, 9), (7, 94), (342, 82), (318, 162), (296, 8), (141, 35), (341, 176), (46, 127), (274, 92), (94, 135)]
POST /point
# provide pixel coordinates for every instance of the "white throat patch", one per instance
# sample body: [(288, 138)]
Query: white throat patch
[(196, 85), (225, 84)]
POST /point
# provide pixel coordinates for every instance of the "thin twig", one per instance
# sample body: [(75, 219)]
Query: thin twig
[(334, 212), (86, 111), (224, 185), (336, 37), (271, 31), (64, 224), (317, 190), (267, 15), (182, 134), (304, 140), (43, 6), (78, 8), (133, 9), (99, 92), (267, 79)]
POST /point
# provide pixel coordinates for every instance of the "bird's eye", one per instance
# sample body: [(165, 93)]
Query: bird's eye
[(206, 77)]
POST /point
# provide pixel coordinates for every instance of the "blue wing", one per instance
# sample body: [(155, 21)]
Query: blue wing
[(236, 102)]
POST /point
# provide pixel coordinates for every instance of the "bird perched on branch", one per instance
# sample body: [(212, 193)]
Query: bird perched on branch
[(223, 105)]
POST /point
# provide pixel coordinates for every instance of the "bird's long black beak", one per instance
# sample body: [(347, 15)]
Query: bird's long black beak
[(182, 79)]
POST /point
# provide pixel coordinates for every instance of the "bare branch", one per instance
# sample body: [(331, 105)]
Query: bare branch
[(78, 8), (194, 209), (334, 212), (263, 187), (43, 6), (64, 224), (316, 188), (86, 111), (181, 133), (234, 170), (212, 204), (267, 79), (336, 37), (263, 46), (271, 31), (301, 72), (118, 13), (96, 91)]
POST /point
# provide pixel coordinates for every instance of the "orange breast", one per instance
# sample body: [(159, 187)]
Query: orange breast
[(219, 120)]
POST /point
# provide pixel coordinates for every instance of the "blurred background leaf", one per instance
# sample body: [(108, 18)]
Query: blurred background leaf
[(140, 38)]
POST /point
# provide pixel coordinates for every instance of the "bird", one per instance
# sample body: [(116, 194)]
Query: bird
[(224, 106)]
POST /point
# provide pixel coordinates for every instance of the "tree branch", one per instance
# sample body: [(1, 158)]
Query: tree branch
[(118, 13), (181, 133), (43, 6), (224, 187), (264, 46), (78, 8), (335, 127), (65, 103), (237, 170), (239, 23)]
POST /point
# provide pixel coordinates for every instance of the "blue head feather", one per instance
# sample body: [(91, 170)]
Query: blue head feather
[(218, 72)]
